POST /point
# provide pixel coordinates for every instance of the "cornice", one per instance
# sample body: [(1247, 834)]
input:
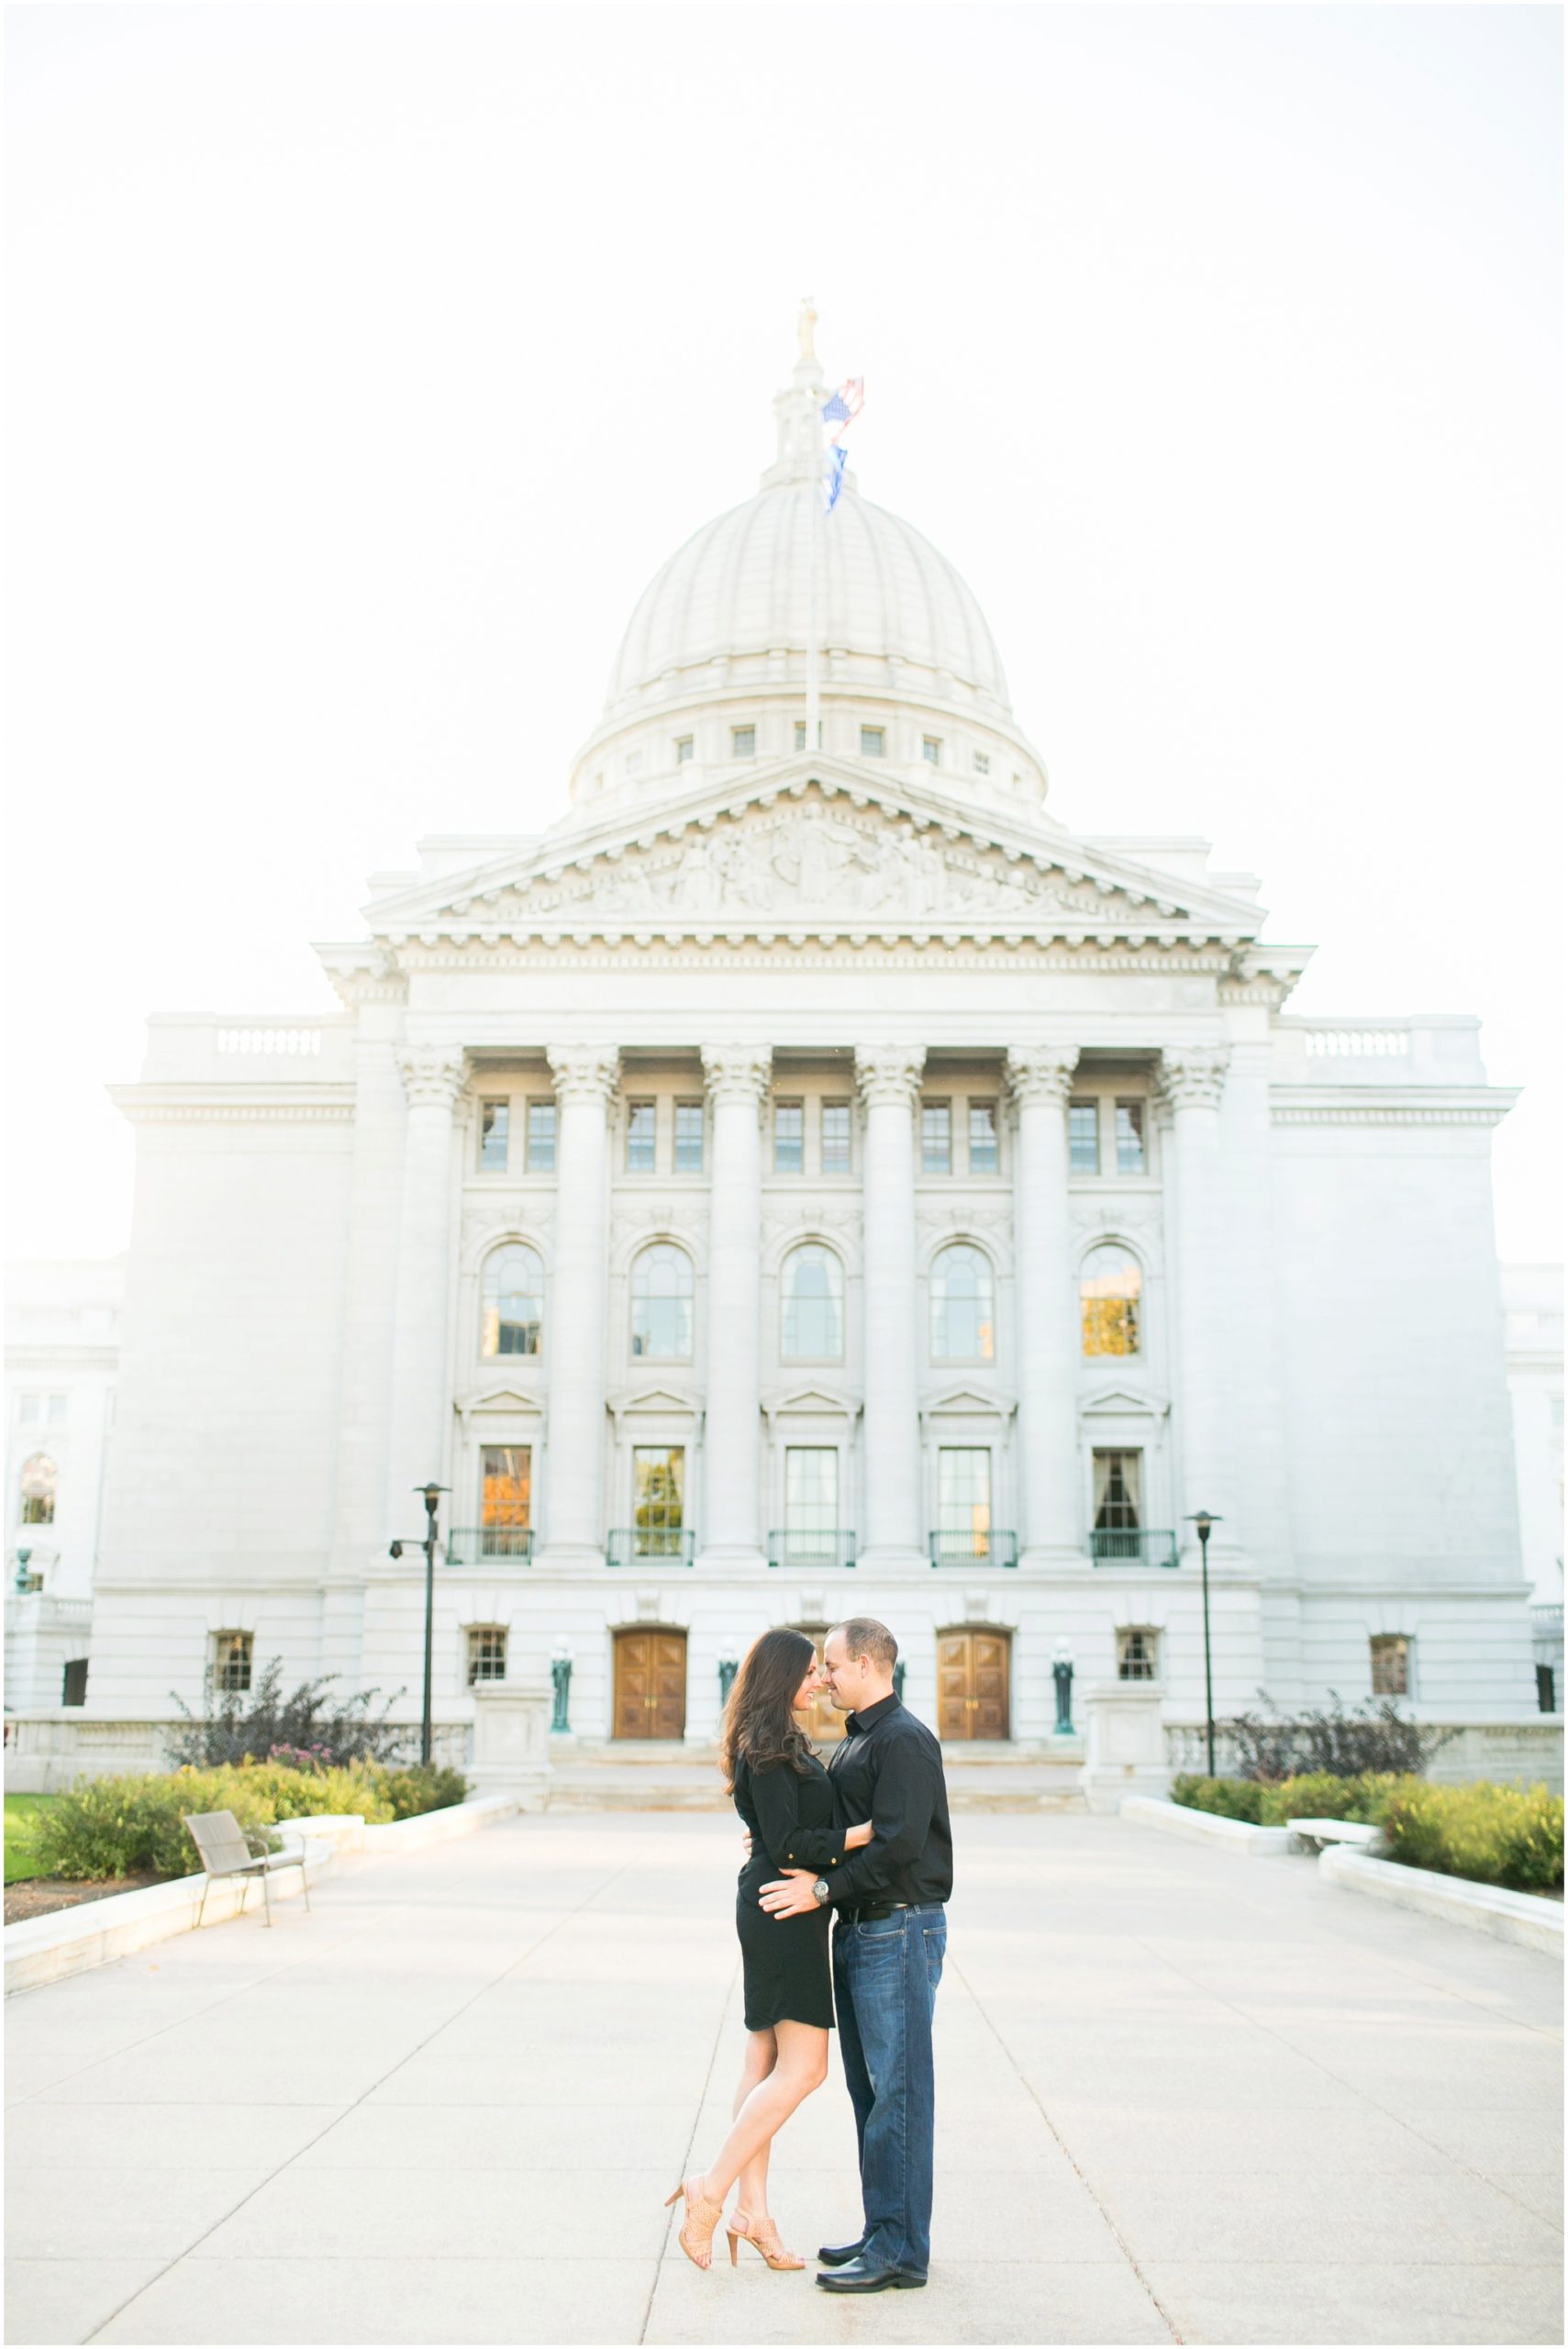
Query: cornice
[(1401, 1105), (301, 1104), (898, 948)]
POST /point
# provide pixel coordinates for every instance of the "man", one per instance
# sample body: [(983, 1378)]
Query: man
[(889, 1939)]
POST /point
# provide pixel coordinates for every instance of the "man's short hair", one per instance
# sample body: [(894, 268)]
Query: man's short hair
[(863, 1635)]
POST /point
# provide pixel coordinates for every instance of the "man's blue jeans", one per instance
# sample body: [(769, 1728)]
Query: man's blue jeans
[(884, 1981)]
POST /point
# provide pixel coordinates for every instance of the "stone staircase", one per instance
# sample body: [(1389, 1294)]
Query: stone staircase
[(601, 1775)]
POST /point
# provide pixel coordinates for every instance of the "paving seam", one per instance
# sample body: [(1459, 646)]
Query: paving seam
[(1465, 2168), (691, 2141), (1031, 2092), (484, 1988)]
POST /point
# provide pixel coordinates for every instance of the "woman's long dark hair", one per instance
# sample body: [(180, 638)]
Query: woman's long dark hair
[(759, 1726)]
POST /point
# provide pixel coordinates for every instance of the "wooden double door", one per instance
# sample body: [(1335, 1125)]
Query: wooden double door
[(974, 1670), (651, 1684), (824, 1724)]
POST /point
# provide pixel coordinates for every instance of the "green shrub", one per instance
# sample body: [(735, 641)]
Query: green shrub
[(1227, 1798), (131, 1826), (1320, 1794), (1507, 1835)]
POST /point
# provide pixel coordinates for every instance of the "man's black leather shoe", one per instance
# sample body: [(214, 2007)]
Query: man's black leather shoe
[(858, 2277), (840, 2254)]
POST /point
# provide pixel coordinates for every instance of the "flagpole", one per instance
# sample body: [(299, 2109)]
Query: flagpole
[(814, 520)]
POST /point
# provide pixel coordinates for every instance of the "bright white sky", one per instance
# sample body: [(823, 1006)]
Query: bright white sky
[(365, 361)]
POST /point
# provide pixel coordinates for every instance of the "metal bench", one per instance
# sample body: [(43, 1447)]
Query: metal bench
[(227, 1850), (1315, 1833)]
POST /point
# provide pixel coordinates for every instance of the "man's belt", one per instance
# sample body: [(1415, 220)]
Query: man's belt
[(868, 1913)]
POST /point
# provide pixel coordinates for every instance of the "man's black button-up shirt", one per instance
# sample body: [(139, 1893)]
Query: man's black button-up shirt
[(889, 1770)]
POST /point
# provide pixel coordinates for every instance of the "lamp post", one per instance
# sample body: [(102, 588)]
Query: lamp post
[(561, 1683), (24, 1579), (432, 1499), (1205, 1522), (1061, 1674)]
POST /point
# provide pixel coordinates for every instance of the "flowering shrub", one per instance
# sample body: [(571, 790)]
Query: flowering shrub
[(132, 1826)]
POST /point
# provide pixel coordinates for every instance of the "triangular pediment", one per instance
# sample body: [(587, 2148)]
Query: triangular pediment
[(1121, 1402), (813, 846)]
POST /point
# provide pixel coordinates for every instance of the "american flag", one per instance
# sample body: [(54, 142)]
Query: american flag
[(843, 406)]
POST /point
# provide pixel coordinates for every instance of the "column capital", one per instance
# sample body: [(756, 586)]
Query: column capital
[(737, 1072), (433, 1074), (1041, 1071), (889, 1073), (1192, 1076), (583, 1072)]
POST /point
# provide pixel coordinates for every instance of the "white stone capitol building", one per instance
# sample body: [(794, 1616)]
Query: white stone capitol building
[(808, 1179)]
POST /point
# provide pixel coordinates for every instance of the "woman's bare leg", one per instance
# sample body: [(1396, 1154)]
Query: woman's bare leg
[(761, 2055), (800, 2066)]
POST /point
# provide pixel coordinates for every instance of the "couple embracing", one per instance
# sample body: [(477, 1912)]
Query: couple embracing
[(868, 1841)]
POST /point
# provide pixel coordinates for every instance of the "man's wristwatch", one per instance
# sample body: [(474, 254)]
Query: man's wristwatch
[(821, 1892)]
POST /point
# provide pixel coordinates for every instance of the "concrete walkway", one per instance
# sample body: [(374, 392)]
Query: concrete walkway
[(1180, 2097)]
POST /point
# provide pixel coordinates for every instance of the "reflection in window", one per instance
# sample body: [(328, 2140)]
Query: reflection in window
[(813, 1305), (1130, 1158), (41, 1479), (963, 1501), (231, 1656), (513, 1312), (835, 1137), (495, 1121), (1390, 1665), (505, 1499), (962, 1308), (659, 1481), (1110, 1290), (661, 1304), (1083, 1137)]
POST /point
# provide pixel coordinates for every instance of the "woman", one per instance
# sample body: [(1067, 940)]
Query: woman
[(782, 1793)]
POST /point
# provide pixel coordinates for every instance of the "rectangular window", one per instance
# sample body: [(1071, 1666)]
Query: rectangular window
[(486, 1653), (931, 749), (1129, 1138), (641, 1134), (506, 1500), (232, 1653), (56, 1408), (874, 741), (658, 1480), (685, 747), (982, 763), (1118, 1505), (541, 1137), (835, 1137), (27, 1409), (688, 1137), (936, 1138), (1083, 1137), (1138, 1653), (743, 742), (983, 1137), (964, 1502), (800, 733), (495, 1124), (789, 1137), (1390, 1665), (811, 1503), (74, 1682)]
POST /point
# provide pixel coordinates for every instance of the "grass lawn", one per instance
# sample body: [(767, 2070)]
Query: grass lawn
[(21, 1817)]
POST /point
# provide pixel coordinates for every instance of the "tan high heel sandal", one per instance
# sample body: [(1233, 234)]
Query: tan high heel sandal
[(763, 2235), (696, 2232)]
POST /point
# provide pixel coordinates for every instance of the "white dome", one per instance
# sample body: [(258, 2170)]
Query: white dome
[(742, 586)]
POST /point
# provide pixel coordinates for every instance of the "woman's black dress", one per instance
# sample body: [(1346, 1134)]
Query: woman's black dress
[(788, 1976)]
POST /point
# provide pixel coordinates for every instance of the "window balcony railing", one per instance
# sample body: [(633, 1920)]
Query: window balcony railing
[(819, 1547), (1131, 1545), (472, 1545), (665, 1545), (975, 1546)]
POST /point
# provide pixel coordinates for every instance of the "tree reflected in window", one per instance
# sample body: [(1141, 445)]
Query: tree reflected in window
[(1111, 1290), (514, 1301)]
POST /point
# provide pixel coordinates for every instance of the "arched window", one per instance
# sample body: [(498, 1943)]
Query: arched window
[(963, 1314), (1110, 1290), (813, 1316), (40, 1478), (661, 1304), (514, 1301)]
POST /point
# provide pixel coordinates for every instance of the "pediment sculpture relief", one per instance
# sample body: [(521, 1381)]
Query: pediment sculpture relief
[(801, 859)]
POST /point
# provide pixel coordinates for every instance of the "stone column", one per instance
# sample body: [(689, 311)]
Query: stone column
[(894, 1532), (1192, 1080), (737, 1077), (433, 1075), (586, 1078), (1040, 1077)]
